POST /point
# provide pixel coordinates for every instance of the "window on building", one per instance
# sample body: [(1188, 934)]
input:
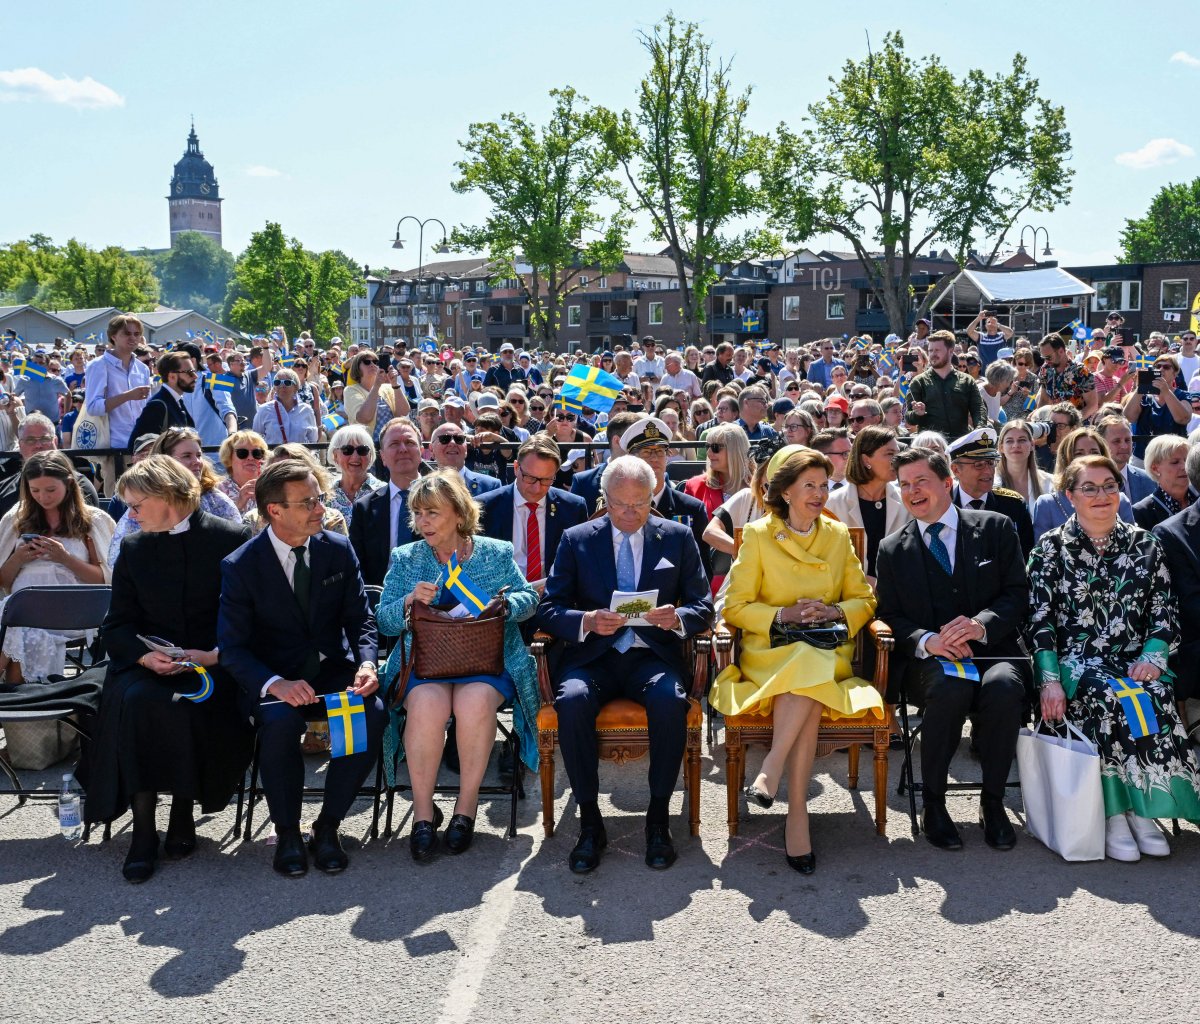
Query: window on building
[(475, 317), (835, 307), (449, 331), (449, 309), (602, 282), (480, 287), (573, 316), (1173, 295), (583, 279), (791, 307), (656, 313), (1126, 295)]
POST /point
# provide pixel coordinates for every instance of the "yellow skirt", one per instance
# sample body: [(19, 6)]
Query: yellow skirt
[(750, 686)]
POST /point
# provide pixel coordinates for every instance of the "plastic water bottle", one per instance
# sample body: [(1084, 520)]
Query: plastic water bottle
[(70, 808)]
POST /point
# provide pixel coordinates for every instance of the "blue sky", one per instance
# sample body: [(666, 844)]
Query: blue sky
[(336, 119)]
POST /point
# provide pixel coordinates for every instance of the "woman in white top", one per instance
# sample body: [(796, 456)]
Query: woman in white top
[(1018, 469), (284, 418)]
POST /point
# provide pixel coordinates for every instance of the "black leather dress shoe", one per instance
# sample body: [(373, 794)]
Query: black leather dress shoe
[(998, 832), (291, 860), (660, 851), (140, 861), (759, 796), (459, 833), (326, 848), (422, 841), (805, 863), (939, 829), (585, 856), (180, 843)]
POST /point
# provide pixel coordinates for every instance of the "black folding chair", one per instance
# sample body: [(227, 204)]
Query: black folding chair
[(73, 608)]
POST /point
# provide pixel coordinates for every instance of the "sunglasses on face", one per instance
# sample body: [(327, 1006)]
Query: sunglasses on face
[(564, 416), (368, 362), (715, 448), (452, 439), (537, 408), (287, 384), (516, 401), (355, 449), (250, 453), (858, 419)]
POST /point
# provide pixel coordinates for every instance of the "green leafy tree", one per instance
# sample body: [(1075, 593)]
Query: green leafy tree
[(277, 281), (691, 160), (87, 278), (901, 153), (194, 273), (544, 185), (27, 270), (1169, 231)]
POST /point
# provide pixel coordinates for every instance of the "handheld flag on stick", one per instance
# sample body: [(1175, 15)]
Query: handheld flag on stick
[(454, 579), (886, 363), (902, 390), (964, 669), (286, 359), (1142, 362), (221, 382), (1030, 403), (1137, 705), (347, 723), (1079, 331), (22, 367), (206, 685), (332, 422), (563, 402), (591, 386)]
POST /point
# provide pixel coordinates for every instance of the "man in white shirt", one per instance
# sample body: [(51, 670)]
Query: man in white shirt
[(117, 385), (650, 365), (1189, 362), (678, 377)]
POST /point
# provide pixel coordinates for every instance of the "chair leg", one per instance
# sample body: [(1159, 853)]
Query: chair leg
[(391, 799), (906, 770), (735, 755), (251, 797), (107, 831), (546, 771), (852, 767), (516, 785), (378, 798), (241, 797), (882, 739), (693, 779)]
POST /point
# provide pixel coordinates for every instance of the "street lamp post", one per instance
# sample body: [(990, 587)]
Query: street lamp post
[(398, 243), (1035, 230)]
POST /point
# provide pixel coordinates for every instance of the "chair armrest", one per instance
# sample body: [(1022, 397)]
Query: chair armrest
[(701, 655), (538, 647), (724, 639), (881, 635)]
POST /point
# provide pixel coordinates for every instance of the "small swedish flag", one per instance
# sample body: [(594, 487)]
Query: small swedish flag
[(221, 382), (455, 580), (206, 685), (347, 723), (1142, 362), (22, 367), (1137, 705), (591, 386), (964, 669), (332, 422)]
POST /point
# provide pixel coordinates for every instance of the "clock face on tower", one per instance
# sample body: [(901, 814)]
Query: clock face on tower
[(204, 187), (179, 188)]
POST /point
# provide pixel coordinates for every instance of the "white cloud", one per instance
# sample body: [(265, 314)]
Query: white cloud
[(1155, 153), (1183, 57), (259, 171), (36, 84)]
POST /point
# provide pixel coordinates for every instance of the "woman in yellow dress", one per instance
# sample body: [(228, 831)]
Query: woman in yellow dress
[(798, 567)]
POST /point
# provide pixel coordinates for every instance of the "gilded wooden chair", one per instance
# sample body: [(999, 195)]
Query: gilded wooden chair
[(874, 728)]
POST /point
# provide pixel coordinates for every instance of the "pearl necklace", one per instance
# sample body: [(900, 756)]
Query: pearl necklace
[(800, 533)]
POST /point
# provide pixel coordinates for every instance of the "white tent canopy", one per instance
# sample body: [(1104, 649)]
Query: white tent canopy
[(1012, 287)]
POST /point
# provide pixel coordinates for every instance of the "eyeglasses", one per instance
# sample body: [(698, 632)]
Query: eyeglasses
[(287, 384), (792, 387), (38, 439), (310, 504), (541, 481), (859, 419), (450, 439), (537, 408), (355, 449), (1091, 490), (564, 416), (839, 455), (716, 448), (368, 362), (250, 453), (516, 401), (620, 506)]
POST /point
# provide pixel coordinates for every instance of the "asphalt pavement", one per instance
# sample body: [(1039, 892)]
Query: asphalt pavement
[(887, 929)]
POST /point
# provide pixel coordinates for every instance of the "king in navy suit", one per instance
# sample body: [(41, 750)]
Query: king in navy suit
[(294, 624), (626, 550)]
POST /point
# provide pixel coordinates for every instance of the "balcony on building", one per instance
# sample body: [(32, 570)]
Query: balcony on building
[(614, 317), (505, 319), (739, 307)]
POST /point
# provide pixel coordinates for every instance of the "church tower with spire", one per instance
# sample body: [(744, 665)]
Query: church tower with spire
[(194, 201)]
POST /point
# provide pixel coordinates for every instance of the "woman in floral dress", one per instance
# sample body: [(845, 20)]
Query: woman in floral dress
[(1103, 612)]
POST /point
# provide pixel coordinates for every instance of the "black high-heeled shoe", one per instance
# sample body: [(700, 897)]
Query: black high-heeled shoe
[(805, 863), (759, 796), (140, 861), (422, 841)]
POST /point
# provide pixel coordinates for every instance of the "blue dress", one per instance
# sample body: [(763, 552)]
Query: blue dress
[(491, 566)]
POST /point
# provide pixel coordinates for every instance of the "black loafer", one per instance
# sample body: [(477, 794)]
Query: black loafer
[(459, 833), (939, 829), (291, 860), (998, 832), (759, 796), (422, 841), (585, 856), (806, 863), (660, 851), (140, 861), (326, 848)]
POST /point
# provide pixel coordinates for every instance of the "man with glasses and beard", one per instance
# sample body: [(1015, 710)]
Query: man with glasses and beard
[(943, 398), (166, 407)]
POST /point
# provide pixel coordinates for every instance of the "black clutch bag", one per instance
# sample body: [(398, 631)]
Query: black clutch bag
[(824, 638)]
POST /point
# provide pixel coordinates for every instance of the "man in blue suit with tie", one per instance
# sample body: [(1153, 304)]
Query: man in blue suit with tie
[(624, 550), (294, 624), (529, 513)]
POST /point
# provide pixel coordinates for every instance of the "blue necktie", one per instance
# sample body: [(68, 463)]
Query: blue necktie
[(627, 581), (938, 549)]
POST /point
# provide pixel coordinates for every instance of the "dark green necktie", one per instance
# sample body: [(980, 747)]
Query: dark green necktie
[(301, 580)]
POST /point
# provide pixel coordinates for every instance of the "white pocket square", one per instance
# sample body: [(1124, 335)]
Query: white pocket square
[(986, 561), (663, 564)]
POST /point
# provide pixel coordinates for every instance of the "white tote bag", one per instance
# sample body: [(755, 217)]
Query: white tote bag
[(1060, 785)]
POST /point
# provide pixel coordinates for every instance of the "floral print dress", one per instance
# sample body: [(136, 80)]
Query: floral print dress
[(1092, 617)]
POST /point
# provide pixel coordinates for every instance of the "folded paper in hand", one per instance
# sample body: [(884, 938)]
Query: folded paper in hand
[(634, 605)]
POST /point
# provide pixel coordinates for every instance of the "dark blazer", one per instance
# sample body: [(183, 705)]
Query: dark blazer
[(694, 515), (261, 630), (370, 534), (1180, 539), (584, 577), (1150, 511), (563, 511), (160, 412), (1139, 485), (586, 485), (1011, 504), (479, 483), (996, 589)]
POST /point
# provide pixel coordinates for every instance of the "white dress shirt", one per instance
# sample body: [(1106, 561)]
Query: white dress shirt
[(287, 558), (949, 537), (106, 378), (520, 525), (637, 544), (394, 494)]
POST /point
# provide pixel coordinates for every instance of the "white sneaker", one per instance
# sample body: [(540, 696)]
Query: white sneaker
[(1148, 836), (1119, 843)]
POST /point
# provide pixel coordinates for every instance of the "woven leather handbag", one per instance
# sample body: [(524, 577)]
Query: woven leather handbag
[(444, 647)]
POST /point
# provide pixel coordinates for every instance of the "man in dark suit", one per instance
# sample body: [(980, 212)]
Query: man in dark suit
[(448, 445), (624, 550), (952, 585), (294, 624), (648, 439), (533, 532), (165, 407), (1180, 539), (973, 459), (1136, 483), (586, 485), (380, 520)]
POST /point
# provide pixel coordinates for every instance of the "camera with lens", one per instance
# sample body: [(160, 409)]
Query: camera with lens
[(1040, 430)]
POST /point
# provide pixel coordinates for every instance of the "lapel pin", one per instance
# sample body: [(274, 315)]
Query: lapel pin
[(781, 535), (552, 507)]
